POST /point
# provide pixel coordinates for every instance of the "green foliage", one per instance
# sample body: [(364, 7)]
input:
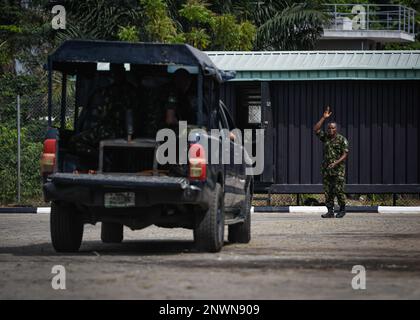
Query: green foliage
[(207, 30), (128, 34), (197, 20), (159, 26), (288, 26), (196, 12), (229, 35), (198, 38), (21, 30), (30, 176), (12, 85), (98, 19)]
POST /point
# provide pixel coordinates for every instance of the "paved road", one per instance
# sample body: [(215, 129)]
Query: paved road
[(291, 256)]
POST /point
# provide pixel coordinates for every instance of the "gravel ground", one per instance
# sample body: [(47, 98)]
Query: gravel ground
[(291, 256)]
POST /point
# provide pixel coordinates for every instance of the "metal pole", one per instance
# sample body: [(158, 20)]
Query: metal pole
[(200, 98), (335, 16), (18, 149), (414, 22), (63, 100), (367, 17), (412, 19), (49, 92), (399, 18)]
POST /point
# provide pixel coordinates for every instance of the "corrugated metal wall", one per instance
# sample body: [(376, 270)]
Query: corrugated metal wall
[(379, 118)]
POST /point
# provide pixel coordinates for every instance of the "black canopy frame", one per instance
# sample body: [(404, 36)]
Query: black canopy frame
[(75, 56)]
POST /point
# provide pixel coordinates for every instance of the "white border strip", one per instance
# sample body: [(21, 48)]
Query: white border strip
[(43, 210), (308, 209), (304, 209), (390, 209)]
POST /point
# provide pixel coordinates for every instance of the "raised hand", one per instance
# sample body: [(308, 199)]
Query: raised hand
[(327, 112)]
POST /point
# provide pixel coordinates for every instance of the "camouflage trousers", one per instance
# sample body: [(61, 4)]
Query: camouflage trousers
[(334, 187)]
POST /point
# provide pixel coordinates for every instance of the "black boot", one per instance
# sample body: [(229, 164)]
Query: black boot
[(342, 212), (329, 214)]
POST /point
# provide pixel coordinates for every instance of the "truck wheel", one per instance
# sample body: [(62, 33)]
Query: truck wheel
[(241, 232), (209, 231), (66, 227), (112, 232)]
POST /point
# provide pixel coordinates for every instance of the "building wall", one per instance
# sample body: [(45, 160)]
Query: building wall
[(379, 118)]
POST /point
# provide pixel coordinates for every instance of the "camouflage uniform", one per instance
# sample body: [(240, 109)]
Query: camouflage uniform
[(104, 118), (333, 179)]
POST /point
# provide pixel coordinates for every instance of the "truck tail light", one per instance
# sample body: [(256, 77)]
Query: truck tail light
[(48, 157), (197, 162)]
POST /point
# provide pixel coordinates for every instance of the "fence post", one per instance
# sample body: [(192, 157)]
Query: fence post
[(18, 149), (367, 17), (335, 16), (399, 18)]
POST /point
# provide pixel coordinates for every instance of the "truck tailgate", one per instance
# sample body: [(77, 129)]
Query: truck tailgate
[(119, 180)]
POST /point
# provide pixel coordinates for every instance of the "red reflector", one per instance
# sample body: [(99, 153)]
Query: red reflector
[(48, 156), (50, 146), (197, 161)]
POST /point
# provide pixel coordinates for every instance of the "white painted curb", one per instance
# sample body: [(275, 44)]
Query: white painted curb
[(307, 209), (390, 209), (43, 210)]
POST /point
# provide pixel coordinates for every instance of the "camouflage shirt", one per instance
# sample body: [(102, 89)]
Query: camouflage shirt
[(104, 118), (333, 150)]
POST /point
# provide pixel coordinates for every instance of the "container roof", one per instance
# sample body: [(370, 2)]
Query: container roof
[(319, 65)]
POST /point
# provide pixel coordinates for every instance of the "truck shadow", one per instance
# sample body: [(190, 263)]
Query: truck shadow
[(97, 248)]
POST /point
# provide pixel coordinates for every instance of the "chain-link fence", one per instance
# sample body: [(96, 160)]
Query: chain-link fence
[(20, 180), (261, 200), (24, 121)]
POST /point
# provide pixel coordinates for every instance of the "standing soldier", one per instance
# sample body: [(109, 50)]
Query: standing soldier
[(336, 148)]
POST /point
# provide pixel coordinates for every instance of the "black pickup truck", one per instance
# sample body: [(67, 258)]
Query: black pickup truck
[(103, 160)]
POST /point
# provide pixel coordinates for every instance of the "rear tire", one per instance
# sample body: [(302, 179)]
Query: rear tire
[(66, 227), (209, 230), (241, 232), (112, 232)]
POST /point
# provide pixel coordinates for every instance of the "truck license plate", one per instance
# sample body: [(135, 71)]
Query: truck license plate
[(119, 200)]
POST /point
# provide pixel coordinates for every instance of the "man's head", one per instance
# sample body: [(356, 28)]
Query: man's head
[(332, 129), (182, 80)]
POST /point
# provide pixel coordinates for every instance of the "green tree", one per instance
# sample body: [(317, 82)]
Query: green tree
[(197, 20), (284, 25), (229, 35), (98, 19), (208, 30), (159, 27)]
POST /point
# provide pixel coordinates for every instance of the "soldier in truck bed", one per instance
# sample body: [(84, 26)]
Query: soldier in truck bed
[(104, 117)]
